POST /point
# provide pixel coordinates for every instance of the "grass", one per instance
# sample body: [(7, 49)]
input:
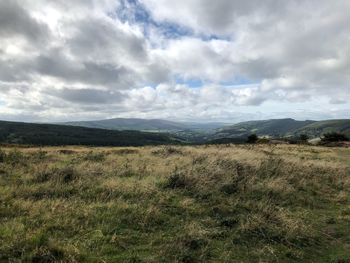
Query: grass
[(248, 203)]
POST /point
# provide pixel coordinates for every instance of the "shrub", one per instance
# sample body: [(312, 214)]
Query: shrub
[(166, 151), (42, 175), (303, 138), (334, 137), (177, 180), (253, 138), (39, 155), (263, 140), (66, 174), (57, 175), (94, 157), (125, 151), (68, 152), (14, 157)]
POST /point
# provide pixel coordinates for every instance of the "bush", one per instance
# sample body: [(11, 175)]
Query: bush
[(62, 175), (39, 155), (94, 157), (68, 152), (167, 151), (303, 138), (263, 140), (334, 137), (125, 151), (177, 180), (66, 174), (253, 138), (14, 157)]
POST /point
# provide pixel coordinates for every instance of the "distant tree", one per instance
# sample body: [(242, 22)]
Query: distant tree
[(334, 137), (253, 138), (303, 138)]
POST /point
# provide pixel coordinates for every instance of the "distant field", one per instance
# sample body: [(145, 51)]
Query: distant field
[(247, 203)]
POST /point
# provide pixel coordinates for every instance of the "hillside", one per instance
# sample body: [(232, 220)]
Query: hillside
[(274, 128), (154, 125), (48, 134), (317, 128), (283, 128), (160, 132), (129, 124)]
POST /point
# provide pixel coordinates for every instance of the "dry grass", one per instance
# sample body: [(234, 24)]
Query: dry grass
[(244, 203)]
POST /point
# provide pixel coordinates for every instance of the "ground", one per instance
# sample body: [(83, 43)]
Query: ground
[(248, 203)]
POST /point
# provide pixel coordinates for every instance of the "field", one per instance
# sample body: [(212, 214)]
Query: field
[(247, 203)]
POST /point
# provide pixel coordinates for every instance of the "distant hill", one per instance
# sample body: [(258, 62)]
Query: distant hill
[(128, 124), (320, 127), (154, 125), (162, 132), (273, 128), (283, 128), (48, 134)]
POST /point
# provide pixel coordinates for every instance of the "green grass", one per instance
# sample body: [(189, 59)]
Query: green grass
[(249, 203)]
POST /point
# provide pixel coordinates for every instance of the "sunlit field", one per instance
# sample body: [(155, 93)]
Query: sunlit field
[(249, 203)]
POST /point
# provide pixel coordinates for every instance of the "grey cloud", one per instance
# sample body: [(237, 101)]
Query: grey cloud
[(12, 71), (260, 68), (88, 96), (56, 64), (15, 21), (212, 17), (100, 39), (338, 101)]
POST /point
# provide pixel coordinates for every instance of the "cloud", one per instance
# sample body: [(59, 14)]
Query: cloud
[(16, 22), (221, 17), (90, 59), (88, 96)]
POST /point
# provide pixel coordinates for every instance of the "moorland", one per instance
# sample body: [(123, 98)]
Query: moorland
[(217, 203)]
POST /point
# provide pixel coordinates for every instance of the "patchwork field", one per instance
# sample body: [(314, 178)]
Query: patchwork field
[(249, 203)]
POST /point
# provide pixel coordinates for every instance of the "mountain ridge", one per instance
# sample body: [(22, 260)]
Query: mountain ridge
[(284, 128), (193, 133), (158, 125)]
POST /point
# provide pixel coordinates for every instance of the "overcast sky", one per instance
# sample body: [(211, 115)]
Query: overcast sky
[(222, 60)]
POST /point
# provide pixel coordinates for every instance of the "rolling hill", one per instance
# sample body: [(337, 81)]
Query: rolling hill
[(129, 124), (283, 128), (138, 132), (48, 134), (154, 125), (321, 127)]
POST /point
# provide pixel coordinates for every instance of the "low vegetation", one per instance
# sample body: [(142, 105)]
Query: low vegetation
[(334, 137), (223, 203)]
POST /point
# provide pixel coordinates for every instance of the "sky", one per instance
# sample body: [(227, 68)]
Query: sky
[(189, 60)]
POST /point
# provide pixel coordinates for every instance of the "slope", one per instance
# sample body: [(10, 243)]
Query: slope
[(48, 134)]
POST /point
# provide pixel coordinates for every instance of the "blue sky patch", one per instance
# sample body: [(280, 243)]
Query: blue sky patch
[(192, 83)]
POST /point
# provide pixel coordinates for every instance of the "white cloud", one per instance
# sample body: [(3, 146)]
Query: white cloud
[(96, 59)]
